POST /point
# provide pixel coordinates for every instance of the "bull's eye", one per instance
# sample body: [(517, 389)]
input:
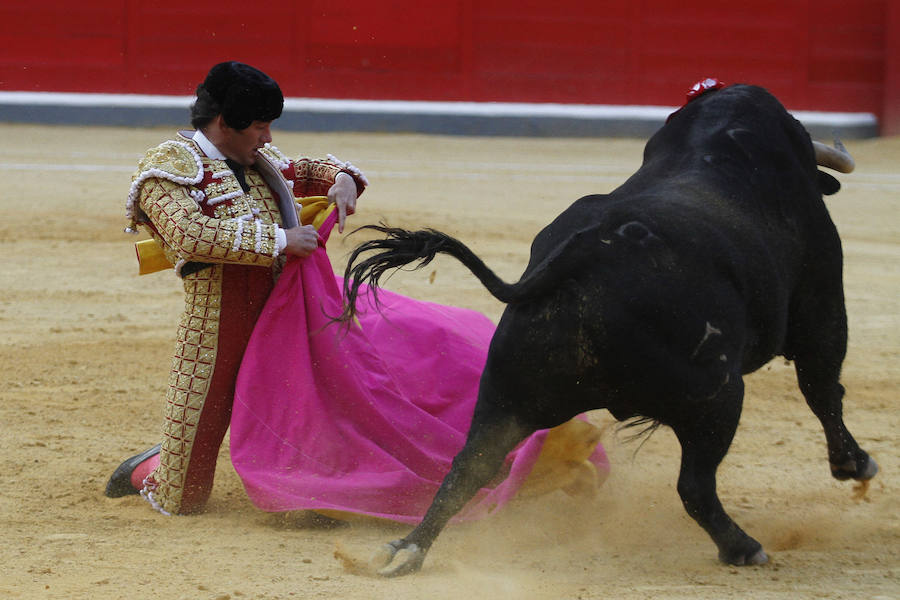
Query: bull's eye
[(634, 230)]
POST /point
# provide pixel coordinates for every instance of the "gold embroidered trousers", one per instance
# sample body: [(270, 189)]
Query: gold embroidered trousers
[(222, 304)]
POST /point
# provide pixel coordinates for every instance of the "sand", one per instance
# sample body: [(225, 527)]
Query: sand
[(85, 345)]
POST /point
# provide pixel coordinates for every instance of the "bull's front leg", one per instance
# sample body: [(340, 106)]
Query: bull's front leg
[(488, 443), (824, 395), (819, 344), (705, 439)]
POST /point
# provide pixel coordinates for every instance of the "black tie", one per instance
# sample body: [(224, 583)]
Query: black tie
[(238, 171)]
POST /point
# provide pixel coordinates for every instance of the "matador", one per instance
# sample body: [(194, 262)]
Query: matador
[(223, 207)]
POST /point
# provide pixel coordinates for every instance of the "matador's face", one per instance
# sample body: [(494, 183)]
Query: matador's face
[(241, 145)]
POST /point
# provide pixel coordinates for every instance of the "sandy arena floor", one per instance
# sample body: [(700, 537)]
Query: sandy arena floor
[(85, 346)]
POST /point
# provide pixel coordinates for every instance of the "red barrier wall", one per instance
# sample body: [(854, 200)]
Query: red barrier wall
[(890, 116), (829, 55)]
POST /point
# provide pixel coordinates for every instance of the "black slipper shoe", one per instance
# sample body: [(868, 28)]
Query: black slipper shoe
[(120, 483)]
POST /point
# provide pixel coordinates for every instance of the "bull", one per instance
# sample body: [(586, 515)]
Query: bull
[(654, 300)]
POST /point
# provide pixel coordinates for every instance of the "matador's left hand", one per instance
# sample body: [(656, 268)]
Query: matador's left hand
[(343, 194)]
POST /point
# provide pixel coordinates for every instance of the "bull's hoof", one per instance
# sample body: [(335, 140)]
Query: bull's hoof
[(743, 558), (758, 558), (861, 471), (384, 555), (397, 558)]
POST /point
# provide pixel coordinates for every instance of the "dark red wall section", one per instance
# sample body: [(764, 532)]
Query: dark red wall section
[(829, 55)]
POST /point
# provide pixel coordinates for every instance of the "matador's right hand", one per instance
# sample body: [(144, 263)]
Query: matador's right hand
[(301, 241)]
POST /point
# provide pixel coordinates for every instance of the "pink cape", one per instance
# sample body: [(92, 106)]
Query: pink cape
[(365, 420)]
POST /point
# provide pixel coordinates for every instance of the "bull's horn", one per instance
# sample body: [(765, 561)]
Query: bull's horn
[(836, 158)]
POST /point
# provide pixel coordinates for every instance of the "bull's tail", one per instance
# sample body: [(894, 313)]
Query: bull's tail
[(401, 247)]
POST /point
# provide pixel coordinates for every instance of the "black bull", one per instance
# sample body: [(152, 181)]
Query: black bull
[(653, 301)]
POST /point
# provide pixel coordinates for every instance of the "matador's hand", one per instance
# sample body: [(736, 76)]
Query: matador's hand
[(301, 241), (343, 194)]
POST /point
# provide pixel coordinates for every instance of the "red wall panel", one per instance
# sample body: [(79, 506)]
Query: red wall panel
[(890, 116), (822, 55)]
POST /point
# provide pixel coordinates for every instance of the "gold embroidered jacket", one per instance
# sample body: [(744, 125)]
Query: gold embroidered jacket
[(194, 207)]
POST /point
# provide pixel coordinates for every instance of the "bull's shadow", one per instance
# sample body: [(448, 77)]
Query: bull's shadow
[(654, 300)]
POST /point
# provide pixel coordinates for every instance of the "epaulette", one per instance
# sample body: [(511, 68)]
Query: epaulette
[(171, 160), (275, 156)]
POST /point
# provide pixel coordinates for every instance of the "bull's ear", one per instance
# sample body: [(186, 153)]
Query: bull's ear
[(828, 184)]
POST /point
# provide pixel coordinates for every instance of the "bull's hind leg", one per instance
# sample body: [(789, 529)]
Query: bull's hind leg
[(491, 437), (705, 436)]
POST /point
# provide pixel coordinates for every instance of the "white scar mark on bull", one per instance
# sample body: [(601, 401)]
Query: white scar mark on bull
[(710, 331)]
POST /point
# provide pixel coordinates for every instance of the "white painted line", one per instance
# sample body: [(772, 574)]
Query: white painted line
[(71, 99), (404, 107)]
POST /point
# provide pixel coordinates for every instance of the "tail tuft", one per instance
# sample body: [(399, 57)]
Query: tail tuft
[(398, 248)]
